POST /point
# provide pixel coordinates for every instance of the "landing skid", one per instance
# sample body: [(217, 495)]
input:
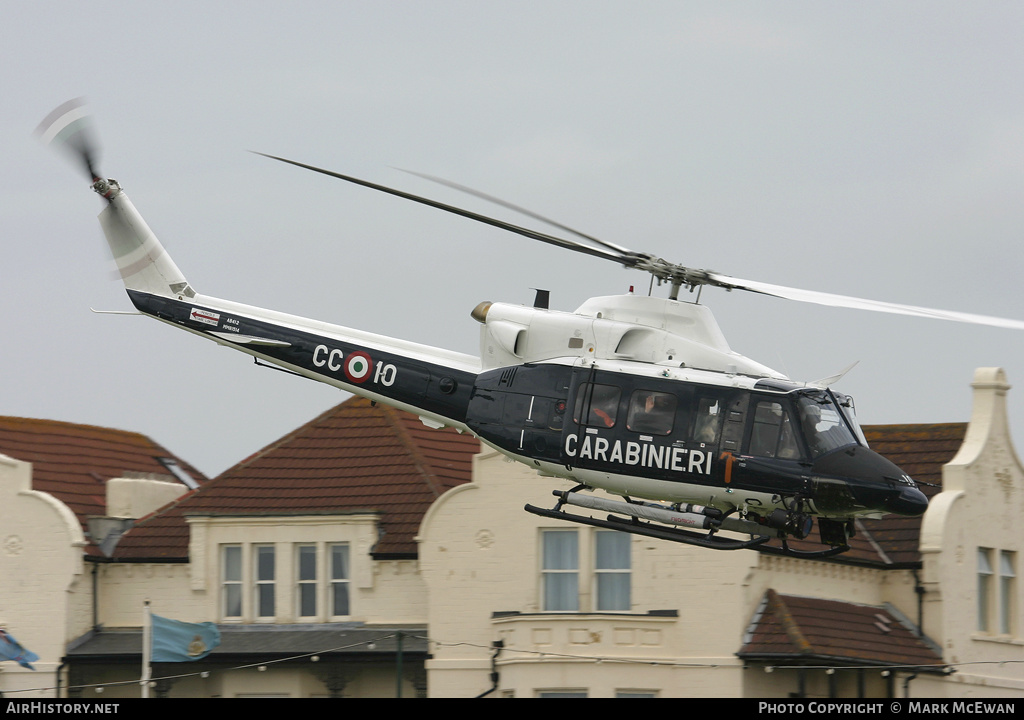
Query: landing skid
[(662, 523), (647, 529)]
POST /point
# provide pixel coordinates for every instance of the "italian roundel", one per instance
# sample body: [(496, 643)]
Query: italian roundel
[(358, 367)]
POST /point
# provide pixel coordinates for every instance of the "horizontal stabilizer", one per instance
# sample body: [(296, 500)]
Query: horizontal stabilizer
[(249, 339)]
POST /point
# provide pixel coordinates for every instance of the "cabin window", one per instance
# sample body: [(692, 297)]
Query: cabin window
[(707, 425), (651, 412), (772, 433), (598, 403)]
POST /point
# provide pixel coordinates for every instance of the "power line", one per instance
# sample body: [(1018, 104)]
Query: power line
[(541, 655)]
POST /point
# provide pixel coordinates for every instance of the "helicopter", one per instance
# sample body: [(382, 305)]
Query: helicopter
[(637, 396)]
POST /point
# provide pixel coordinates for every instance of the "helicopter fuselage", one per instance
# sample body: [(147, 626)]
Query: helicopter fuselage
[(638, 396), (725, 442), (636, 429)]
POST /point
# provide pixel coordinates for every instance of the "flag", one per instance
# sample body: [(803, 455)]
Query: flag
[(176, 641), (11, 649)]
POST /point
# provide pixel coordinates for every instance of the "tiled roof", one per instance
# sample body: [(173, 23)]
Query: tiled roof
[(73, 462), (808, 630), (354, 457), (921, 451)]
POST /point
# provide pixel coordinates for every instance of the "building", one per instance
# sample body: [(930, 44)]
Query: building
[(67, 493), (304, 554), (365, 555)]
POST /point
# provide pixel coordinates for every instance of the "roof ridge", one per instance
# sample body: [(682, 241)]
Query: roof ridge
[(423, 466), (284, 439), (792, 628), (865, 532), (39, 422)]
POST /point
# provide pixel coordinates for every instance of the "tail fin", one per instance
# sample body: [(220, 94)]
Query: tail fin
[(141, 260)]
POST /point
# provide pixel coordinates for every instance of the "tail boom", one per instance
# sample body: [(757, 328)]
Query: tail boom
[(430, 382)]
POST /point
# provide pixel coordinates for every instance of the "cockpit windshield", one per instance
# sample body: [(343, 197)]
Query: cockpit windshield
[(823, 424), (847, 408)]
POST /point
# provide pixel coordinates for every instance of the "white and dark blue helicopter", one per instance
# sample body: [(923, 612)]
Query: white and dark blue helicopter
[(637, 396)]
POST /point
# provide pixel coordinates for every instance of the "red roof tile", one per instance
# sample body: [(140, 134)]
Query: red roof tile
[(353, 457), (73, 462), (811, 630), (921, 450)]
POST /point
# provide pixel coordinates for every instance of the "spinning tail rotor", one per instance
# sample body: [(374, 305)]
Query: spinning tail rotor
[(69, 128), (141, 260)]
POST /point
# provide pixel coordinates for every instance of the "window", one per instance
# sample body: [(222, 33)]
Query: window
[(601, 403), (823, 425), (772, 434), (561, 693), (265, 582), (339, 580), (264, 559), (984, 589), (599, 567), (306, 580), (231, 580), (611, 568), (560, 571), (1007, 591), (651, 412), (707, 425)]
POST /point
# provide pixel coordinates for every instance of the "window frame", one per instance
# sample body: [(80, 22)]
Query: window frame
[(657, 414), (551, 575), (585, 398), (583, 593), (307, 588), (232, 588), (1007, 592), (259, 583), (611, 601), (336, 584)]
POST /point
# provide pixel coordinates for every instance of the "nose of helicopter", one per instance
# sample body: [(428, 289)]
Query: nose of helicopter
[(873, 481), (909, 501)]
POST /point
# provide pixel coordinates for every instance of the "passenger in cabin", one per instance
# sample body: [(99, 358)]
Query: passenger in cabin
[(604, 405), (706, 427), (651, 412)]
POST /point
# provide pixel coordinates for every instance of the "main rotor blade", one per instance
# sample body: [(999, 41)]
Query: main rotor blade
[(524, 211), (846, 301), (628, 261)]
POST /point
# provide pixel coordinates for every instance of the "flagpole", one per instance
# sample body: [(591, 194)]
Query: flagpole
[(147, 649)]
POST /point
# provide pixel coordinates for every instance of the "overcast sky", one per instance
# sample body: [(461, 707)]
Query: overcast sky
[(872, 149)]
